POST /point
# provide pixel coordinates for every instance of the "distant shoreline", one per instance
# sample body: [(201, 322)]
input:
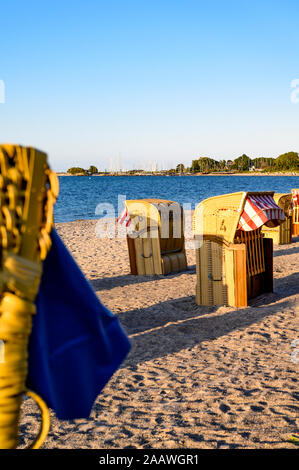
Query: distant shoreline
[(195, 174)]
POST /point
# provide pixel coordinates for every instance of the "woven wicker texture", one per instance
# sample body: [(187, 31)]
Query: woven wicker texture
[(159, 246), (28, 191), (282, 234), (231, 265), (217, 218)]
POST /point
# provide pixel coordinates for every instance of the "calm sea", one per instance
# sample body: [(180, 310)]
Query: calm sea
[(80, 195)]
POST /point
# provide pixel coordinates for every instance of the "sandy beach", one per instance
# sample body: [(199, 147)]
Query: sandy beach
[(196, 377)]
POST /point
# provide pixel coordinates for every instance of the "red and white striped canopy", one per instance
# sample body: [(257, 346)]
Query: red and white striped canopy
[(295, 196), (260, 210), (124, 218)]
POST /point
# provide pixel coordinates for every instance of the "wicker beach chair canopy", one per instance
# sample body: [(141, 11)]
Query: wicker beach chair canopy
[(220, 217), (154, 215), (284, 201)]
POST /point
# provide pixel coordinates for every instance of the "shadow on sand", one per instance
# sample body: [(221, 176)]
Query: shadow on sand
[(288, 251), (174, 325), (108, 283)]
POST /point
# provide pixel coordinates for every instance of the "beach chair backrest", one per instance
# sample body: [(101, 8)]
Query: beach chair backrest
[(220, 218), (285, 202), (281, 234), (158, 244)]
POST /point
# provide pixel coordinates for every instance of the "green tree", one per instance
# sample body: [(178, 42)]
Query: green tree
[(93, 169), (75, 170), (194, 166), (262, 162), (222, 164), (204, 165), (242, 163), (180, 168), (287, 161)]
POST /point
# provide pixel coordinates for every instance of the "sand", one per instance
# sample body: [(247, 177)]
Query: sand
[(196, 377)]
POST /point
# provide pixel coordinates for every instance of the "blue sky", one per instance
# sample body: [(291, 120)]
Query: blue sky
[(170, 80)]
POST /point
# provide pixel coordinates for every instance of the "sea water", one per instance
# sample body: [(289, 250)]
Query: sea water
[(79, 196)]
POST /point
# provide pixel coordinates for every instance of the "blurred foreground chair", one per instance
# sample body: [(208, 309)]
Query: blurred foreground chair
[(282, 234), (234, 262), (59, 345), (156, 244), (295, 196)]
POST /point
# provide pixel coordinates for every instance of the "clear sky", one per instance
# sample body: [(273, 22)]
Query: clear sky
[(149, 80)]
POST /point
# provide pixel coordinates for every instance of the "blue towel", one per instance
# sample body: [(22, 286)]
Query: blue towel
[(76, 343)]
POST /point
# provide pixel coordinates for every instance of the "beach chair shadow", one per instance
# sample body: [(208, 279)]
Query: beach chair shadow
[(287, 251), (181, 323), (108, 283), (162, 329)]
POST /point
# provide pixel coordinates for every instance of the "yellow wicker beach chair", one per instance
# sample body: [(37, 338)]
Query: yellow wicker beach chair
[(157, 244), (232, 265), (282, 234), (28, 191), (295, 195)]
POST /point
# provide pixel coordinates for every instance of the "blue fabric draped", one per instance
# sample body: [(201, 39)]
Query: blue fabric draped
[(76, 343)]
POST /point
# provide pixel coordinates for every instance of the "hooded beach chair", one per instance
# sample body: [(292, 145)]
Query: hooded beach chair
[(282, 234), (59, 344), (156, 244), (295, 196), (234, 262)]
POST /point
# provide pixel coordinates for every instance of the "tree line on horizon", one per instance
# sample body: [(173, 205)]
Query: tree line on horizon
[(286, 162), (77, 170)]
